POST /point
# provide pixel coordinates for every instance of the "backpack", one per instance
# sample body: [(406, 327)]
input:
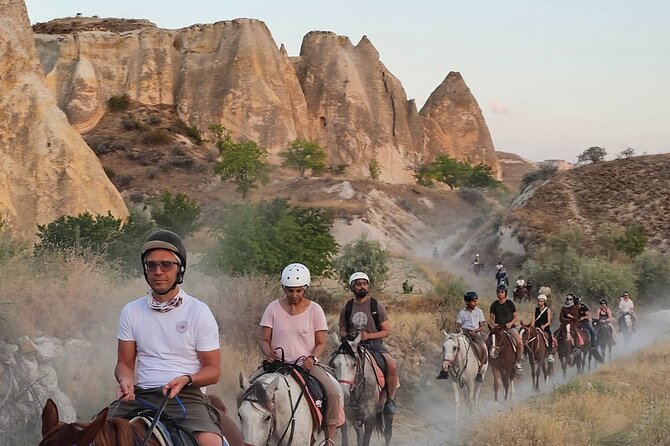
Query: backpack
[(348, 308)]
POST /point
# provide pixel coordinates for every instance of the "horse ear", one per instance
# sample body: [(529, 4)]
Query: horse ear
[(355, 342), (335, 337), (49, 416), (87, 435), (244, 382), (270, 389), (445, 333)]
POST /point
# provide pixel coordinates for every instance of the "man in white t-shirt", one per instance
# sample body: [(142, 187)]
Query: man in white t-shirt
[(626, 306), (168, 344)]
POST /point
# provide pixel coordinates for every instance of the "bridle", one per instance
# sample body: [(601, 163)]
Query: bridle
[(454, 369), (356, 385)]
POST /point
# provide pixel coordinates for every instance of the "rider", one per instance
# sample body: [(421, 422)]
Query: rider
[(529, 289), (476, 260), (499, 266), (298, 326), (569, 313), (501, 277), (543, 322), (366, 315), (168, 343), (604, 316), (585, 320), (503, 312), (626, 306), (521, 283), (471, 321)]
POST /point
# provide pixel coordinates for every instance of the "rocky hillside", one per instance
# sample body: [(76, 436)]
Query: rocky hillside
[(46, 168), (233, 73), (626, 192), (513, 168)]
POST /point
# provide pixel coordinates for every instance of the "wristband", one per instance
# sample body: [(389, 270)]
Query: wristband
[(190, 380)]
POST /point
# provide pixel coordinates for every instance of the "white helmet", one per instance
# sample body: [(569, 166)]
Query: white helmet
[(355, 276), (295, 274)]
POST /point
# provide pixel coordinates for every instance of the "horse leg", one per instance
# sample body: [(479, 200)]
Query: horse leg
[(369, 427), (344, 432), (388, 428), (496, 379), (457, 400), (360, 433)]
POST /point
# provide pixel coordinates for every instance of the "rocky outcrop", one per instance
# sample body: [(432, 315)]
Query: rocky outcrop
[(47, 170), (455, 125), (232, 73), (513, 168)]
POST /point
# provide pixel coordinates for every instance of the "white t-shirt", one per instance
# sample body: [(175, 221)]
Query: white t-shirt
[(521, 282), (167, 343), (626, 305), (469, 320)]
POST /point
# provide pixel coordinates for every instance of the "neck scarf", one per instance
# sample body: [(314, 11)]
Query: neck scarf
[(164, 307)]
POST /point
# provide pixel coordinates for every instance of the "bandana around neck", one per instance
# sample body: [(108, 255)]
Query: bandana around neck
[(164, 307)]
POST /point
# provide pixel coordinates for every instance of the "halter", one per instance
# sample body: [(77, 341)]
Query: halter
[(358, 384), (455, 370)]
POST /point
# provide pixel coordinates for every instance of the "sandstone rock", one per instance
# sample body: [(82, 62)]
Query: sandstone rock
[(48, 170), (454, 124)]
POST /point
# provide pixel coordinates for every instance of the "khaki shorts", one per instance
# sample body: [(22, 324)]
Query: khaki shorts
[(198, 414)]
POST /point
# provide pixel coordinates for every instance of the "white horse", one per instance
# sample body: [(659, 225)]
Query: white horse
[(460, 363), (274, 411), (363, 401)]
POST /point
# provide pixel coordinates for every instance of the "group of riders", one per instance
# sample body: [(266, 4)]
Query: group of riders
[(503, 314)]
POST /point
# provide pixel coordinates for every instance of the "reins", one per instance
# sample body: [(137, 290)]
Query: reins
[(159, 412)]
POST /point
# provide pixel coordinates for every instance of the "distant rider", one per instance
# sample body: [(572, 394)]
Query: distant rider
[(626, 306), (604, 316)]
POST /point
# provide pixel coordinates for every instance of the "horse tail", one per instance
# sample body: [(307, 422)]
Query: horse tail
[(379, 423)]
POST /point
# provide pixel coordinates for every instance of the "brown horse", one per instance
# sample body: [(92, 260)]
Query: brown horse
[(574, 346), (503, 355), (536, 351), (104, 431), (605, 335), (520, 294)]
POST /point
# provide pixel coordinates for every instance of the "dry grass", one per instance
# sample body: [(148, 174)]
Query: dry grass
[(626, 402)]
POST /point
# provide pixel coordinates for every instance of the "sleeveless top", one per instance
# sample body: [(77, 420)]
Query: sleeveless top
[(542, 319), (602, 315)]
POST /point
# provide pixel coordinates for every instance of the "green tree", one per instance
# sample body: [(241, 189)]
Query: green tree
[(421, 172), (626, 153), (363, 255), (303, 155), (84, 232), (481, 177), (125, 249), (265, 237), (632, 242), (449, 171), (177, 213), (244, 163), (652, 279), (593, 154)]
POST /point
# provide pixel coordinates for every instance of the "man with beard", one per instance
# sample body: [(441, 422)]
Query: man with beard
[(365, 315)]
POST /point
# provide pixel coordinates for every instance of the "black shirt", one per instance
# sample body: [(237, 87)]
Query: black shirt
[(503, 313)]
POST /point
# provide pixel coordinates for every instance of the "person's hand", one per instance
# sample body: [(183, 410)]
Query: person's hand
[(364, 336), (272, 356), (309, 362), (175, 386), (508, 325), (126, 391)]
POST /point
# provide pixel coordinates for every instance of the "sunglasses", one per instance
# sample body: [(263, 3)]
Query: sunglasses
[(165, 265)]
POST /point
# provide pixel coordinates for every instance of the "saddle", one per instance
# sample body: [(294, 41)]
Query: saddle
[(315, 393), (481, 352), (167, 431), (378, 364)]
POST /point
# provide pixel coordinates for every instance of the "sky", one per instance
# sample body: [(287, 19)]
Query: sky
[(552, 78)]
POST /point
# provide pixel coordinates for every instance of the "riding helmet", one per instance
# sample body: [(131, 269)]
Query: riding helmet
[(470, 295), (603, 301), (295, 275), (164, 239), (502, 288)]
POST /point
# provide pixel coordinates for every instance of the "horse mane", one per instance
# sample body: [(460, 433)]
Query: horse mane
[(114, 432), (256, 394)]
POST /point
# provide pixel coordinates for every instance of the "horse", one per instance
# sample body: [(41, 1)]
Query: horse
[(460, 362), (570, 353), (520, 293), (605, 338), (626, 326), (503, 356), (363, 397), (274, 411), (536, 351), (107, 431)]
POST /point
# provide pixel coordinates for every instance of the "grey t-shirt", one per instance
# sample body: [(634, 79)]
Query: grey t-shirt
[(362, 320)]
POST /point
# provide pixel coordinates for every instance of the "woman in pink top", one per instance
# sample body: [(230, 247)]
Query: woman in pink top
[(298, 326)]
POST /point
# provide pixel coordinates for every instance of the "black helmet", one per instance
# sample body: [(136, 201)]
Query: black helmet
[(502, 287), (164, 239), (577, 300), (470, 295), (603, 301)]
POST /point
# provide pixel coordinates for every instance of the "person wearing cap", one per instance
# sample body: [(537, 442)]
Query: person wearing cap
[(168, 344), (293, 329), (626, 306), (543, 322), (502, 312), (366, 316), (471, 321)]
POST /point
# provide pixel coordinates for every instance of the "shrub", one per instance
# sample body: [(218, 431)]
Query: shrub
[(652, 276), (191, 131), (593, 154), (131, 124), (407, 287), (471, 196), (157, 137), (339, 170), (177, 213), (303, 155), (366, 256), (118, 103), (265, 237), (545, 172), (632, 241), (374, 169)]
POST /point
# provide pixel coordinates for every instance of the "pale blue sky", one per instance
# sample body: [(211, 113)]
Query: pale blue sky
[(552, 77)]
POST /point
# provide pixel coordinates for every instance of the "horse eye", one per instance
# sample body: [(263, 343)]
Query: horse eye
[(268, 418)]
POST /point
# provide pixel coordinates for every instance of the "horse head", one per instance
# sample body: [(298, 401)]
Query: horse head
[(628, 320), (495, 340), (57, 433), (256, 408), (451, 347)]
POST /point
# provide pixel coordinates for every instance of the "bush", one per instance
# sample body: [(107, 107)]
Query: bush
[(339, 170), (303, 155), (118, 103), (157, 137), (374, 169), (652, 276), (366, 256), (265, 237), (131, 124), (545, 172), (632, 241), (177, 213), (471, 196), (593, 154), (191, 131)]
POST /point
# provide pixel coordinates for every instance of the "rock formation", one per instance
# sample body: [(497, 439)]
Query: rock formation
[(455, 125), (47, 169), (232, 73)]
